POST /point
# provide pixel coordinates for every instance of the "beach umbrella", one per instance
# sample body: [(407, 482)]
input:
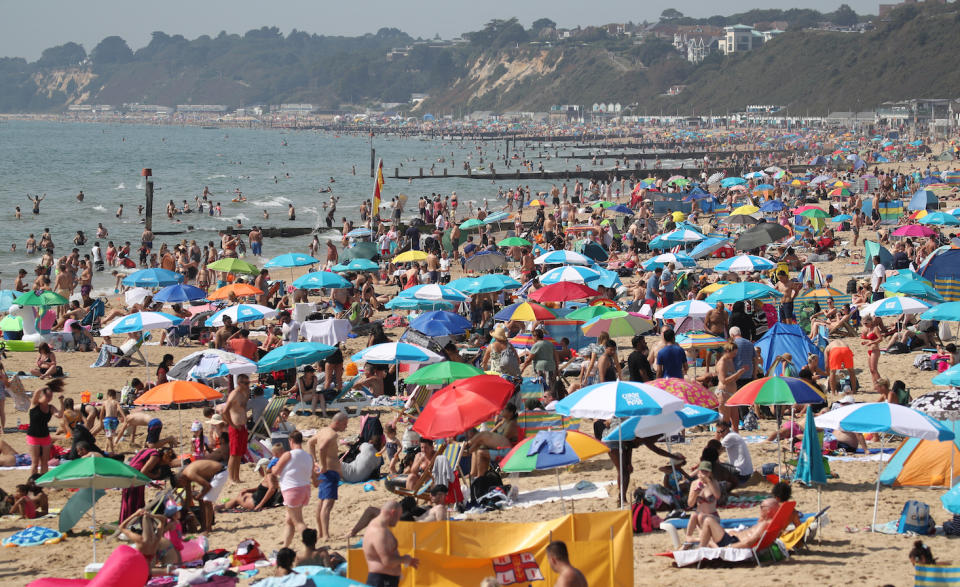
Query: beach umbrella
[(608, 278), (810, 467), (939, 219), (691, 392), (772, 206), (587, 313), (410, 256), (540, 453), (841, 218), (618, 399), (951, 500), (488, 283), (729, 182), (682, 235), (740, 219), (362, 250), (291, 260), (391, 353), (485, 261), (178, 393), (179, 293), (820, 295), (152, 278), (618, 324), (894, 307), (434, 292), (949, 377), (440, 323), (591, 249), (708, 246), (94, 472), (715, 178), (661, 424), (415, 304), (744, 290), (662, 260), (40, 298), (883, 418), (525, 340), (293, 355), (239, 290), (210, 363), (745, 210), (6, 298), (357, 266), (914, 230), (140, 321), (947, 311), (570, 274), (563, 258), (496, 217), (697, 339), (776, 391), (359, 232), (621, 209), (471, 223), (321, 280), (814, 213), (563, 291), (461, 405), (442, 373), (233, 265), (760, 235), (537, 203), (943, 404), (913, 288), (749, 263), (695, 308), (514, 241), (241, 313)]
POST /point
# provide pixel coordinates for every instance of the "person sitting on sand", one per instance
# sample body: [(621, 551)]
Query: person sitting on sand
[(411, 511), (713, 534), (704, 497), (23, 504), (265, 495)]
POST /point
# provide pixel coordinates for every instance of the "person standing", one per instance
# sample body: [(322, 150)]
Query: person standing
[(384, 562), (295, 472), (235, 415), (38, 431), (324, 445), (638, 366), (671, 359), (877, 278), (668, 284), (789, 290), (745, 359), (543, 355)]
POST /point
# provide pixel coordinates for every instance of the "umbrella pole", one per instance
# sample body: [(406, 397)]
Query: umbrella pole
[(620, 468), (93, 502), (951, 454), (779, 449), (876, 495), (560, 489)]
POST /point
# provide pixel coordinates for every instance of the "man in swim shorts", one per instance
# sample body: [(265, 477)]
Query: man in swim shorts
[(324, 448), (235, 415), (839, 356)]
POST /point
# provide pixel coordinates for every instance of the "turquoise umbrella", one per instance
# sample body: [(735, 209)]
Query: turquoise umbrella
[(745, 290), (291, 260), (293, 355)]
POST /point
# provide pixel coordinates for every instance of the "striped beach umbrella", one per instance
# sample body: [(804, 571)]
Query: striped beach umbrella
[(532, 454), (618, 323), (588, 313), (391, 353), (821, 295), (699, 340), (749, 263), (618, 399), (141, 321), (776, 391), (434, 292), (241, 313), (662, 260), (661, 424), (570, 274), (525, 340), (695, 308), (563, 258), (530, 312), (895, 307), (682, 235)]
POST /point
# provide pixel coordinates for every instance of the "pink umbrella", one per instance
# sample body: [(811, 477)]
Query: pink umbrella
[(914, 230)]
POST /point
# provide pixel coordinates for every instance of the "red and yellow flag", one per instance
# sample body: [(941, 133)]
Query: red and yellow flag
[(378, 184)]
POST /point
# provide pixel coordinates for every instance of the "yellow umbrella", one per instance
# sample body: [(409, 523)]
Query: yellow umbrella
[(746, 210), (410, 256), (714, 287), (679, 216), (796, 183)]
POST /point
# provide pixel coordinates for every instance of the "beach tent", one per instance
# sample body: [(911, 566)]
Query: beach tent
[(872, 249), (923, 463), (923, 200), (942, 269), (890, 211), (787, 338)]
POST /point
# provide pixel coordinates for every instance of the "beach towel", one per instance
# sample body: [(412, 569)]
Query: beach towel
[(33, 536)]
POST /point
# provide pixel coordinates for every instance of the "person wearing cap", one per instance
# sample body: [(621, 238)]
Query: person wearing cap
[(266, 494), (704, 497)]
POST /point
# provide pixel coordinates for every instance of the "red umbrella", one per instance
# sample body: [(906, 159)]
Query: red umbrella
[(563, 291), (462, 405)]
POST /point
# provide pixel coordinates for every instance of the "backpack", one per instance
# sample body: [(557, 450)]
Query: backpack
[(641, 516), (915, 517), (483, 484)]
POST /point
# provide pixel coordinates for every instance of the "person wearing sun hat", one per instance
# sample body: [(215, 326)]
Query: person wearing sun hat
[(500, 357)]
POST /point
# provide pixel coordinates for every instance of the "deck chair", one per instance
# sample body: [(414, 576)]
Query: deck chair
[(531, 422), (350, 396), (936, 575), (269, 416), (422, 488), (780, 520), (92, 318), (124, 356), (415, 402)]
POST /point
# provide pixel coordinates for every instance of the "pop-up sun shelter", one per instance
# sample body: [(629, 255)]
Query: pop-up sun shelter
[(942, 269), (787, 338), (923, 463)]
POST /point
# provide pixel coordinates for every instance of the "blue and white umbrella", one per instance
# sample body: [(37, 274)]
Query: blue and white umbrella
[(570, 274), (210, 363), (682, 235), (563, 258), (618, 399), (359, 232), (291, 260), (6, 298), (884, 418), (608, 278), (489, 283), (357, 265), (694, 308), (665, 258), (391, 353), (708, 246), (440, 323), (415, 304), (179, 293), (746, 263), (152, 278), (659, 424), (434, 292), (140, 321), (293, 355), (321, 280), (241, 313), (894, 307), (738, 292), (755, 175)]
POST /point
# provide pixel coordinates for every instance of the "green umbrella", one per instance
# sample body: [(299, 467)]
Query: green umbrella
[(93, 472), (43, 298), (472, 223), (814, 213), (606, 204), (232, 265), (587, 313), (442, 373), (514, 241)]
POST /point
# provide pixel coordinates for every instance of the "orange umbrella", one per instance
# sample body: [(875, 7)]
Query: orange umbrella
[(239, 290), (177, 392)]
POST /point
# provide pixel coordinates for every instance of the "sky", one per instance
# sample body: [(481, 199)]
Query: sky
[(29, 27)]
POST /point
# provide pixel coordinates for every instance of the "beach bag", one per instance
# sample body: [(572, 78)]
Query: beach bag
[(247, 552), (484, 484), (750, 421), (642, 517), (915, 517), (924, 363)]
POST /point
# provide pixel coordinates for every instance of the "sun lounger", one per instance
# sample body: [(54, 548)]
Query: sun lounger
[(127, 354)]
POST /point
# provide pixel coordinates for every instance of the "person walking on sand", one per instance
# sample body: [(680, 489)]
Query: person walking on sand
[(324, 448), (295, 472), (235, 415), (380, 549)]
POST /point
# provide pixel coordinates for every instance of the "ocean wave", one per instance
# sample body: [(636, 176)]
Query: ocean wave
[(120, 187), (274, 202), (99, 208), (216, 176), (140, 185)]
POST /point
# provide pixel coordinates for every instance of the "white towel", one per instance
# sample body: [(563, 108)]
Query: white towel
[(329, 331)]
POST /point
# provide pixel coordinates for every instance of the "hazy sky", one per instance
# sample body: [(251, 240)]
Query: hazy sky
[(28, 27)]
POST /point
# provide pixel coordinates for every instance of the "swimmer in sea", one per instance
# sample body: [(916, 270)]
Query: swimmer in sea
[(120, 211), (266, 215), (80, 196), (16, 213), (36, 202)]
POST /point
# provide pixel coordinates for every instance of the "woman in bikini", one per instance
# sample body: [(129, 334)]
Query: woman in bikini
[(727, 386), (704, 495), (872, 337)]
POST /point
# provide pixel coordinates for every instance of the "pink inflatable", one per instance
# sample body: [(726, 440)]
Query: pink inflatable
[(125, 567)]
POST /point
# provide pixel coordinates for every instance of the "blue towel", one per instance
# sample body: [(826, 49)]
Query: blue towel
[(554, 440)]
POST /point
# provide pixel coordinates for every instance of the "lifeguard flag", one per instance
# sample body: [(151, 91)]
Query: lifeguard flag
[(378, 184)]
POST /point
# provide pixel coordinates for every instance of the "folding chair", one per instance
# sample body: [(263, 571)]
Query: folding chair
[(269, 416), (423, 486), (92, 318), (128, 353)]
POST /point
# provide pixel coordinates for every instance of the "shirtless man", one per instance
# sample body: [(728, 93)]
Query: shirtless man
[(380, 548), (18, 284), (436, 513), (433, 267), (111, 415), (262, 282), (224, 333), (715, 322), (789, 289), (713, 535), (31, 245), (559, 559), (235, 415), (211, 476), (526, 264), (323, 447), (333, 255), (839, 356)]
